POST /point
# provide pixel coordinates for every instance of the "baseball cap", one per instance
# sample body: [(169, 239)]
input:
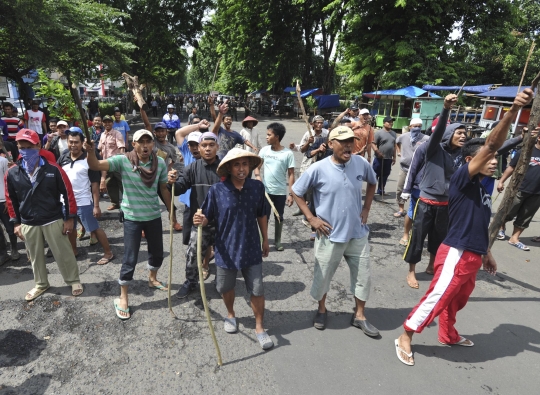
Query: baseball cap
[(341, 133), (170, 106), (28, 135), (107, 118), (354, 108), (207, 136), (143, 132), (415, 121), (194, 137), (62, 123), (364, 111), (160, 125), (75, 129), (388, 119), (116, 109)]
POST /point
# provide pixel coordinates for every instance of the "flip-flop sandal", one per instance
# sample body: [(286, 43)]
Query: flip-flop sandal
[(403, 243), (93, 241), (462, 342), (112, 207), (34, 293), (75, 288), (399, 351), (119, 310), (160, 286), (177, 227), (536, 239), (520, 245), (399, 214), (104, 261), (264, 340), (230, 326), (80, 234)]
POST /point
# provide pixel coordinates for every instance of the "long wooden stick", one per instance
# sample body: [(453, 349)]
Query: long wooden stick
[(301, 104), (520, 170), (215, 72), (171, 214), (525, 68), (276, 213), (75, 95), (459, 107), (203, 290)]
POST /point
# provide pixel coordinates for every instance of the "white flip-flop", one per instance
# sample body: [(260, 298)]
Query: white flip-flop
[(399, 350), (462, 342)]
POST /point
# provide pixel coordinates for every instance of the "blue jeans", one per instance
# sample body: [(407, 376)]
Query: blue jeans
[(132, 242)]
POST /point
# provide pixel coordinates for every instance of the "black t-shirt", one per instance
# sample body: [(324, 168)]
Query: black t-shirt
[(531, 181), (469, 213)]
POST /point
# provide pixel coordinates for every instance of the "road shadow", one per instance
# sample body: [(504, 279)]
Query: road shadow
[(35, 385), (506, 340), (18, 348)]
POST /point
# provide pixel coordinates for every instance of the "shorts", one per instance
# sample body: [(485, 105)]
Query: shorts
[(86, 215), (429, 220), (253, 277), (327, 258), (524, 208)]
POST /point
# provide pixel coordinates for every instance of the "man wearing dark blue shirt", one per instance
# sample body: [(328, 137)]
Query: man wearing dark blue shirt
[(238, 208), (466, 246)]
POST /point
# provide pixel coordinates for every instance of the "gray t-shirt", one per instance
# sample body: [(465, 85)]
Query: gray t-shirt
[(337, 195), (407, 149), (385, 142)]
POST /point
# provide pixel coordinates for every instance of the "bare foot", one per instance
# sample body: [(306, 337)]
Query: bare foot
[(411, 280), (430, 271)]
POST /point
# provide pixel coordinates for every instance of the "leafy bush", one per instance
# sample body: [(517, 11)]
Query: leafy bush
[(64, 106), (106, 108)]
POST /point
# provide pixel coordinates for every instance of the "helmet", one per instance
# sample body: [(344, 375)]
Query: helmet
[(170, 106)]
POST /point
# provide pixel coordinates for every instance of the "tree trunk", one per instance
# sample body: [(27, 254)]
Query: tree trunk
[(519, 173)]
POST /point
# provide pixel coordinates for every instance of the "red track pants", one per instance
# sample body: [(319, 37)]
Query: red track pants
[(453, 283)]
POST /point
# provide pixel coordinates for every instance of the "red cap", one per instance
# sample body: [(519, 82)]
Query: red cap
[(28, 135)]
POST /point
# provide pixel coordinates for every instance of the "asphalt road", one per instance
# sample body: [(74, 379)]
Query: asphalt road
[(65, 345)]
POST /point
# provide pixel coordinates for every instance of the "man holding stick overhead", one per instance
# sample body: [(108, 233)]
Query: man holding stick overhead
[(237, 208), (466, 246)]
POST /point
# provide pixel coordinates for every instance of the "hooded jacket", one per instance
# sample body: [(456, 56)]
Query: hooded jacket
[(441, 160)]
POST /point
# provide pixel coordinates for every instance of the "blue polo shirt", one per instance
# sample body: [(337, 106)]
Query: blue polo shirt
[(235, 214), (188, 159), (337, 195)]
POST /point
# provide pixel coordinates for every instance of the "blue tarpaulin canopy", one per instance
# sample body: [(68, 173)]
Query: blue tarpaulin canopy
[(327, 101), (409, 91), (504, 91), (309, 92), (470, 88), (289, 89)]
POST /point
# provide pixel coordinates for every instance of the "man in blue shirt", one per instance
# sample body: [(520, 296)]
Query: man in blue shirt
[(237, 207), (340, 222), (172, 121), (120, 125), (466, 246)]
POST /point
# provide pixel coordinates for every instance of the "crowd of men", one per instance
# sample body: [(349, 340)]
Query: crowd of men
[(232, 182)]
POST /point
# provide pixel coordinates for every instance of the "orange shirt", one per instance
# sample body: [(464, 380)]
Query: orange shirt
[(365, 134)]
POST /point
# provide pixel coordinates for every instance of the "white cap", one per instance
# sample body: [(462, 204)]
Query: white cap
[(170, 106), (364, 111), (194, 137), (415, 121), (139, 133), (62, 123)]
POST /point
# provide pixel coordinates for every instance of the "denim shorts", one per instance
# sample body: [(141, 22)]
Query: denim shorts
[(86, 215), (226, 279)]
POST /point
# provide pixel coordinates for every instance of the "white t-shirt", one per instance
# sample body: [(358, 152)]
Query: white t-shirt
[(80, 182), (3, 171), (62, 145), (35, 119), (275, 168)]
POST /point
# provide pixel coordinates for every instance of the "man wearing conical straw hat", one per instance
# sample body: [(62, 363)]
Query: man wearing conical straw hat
[(238, 209)]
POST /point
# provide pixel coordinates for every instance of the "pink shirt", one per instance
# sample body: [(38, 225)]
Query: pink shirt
[(110, 143)]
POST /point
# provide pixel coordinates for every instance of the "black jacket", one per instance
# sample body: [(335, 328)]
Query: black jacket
[(39, 204)]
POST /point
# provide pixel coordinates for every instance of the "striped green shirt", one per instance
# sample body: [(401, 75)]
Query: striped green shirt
[(139, 203)]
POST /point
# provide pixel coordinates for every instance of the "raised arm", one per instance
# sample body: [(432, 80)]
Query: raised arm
[(93, 162), (145, 120), (211, 107), (183, 132), (222, 111), (498, 135), (438, 132)]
